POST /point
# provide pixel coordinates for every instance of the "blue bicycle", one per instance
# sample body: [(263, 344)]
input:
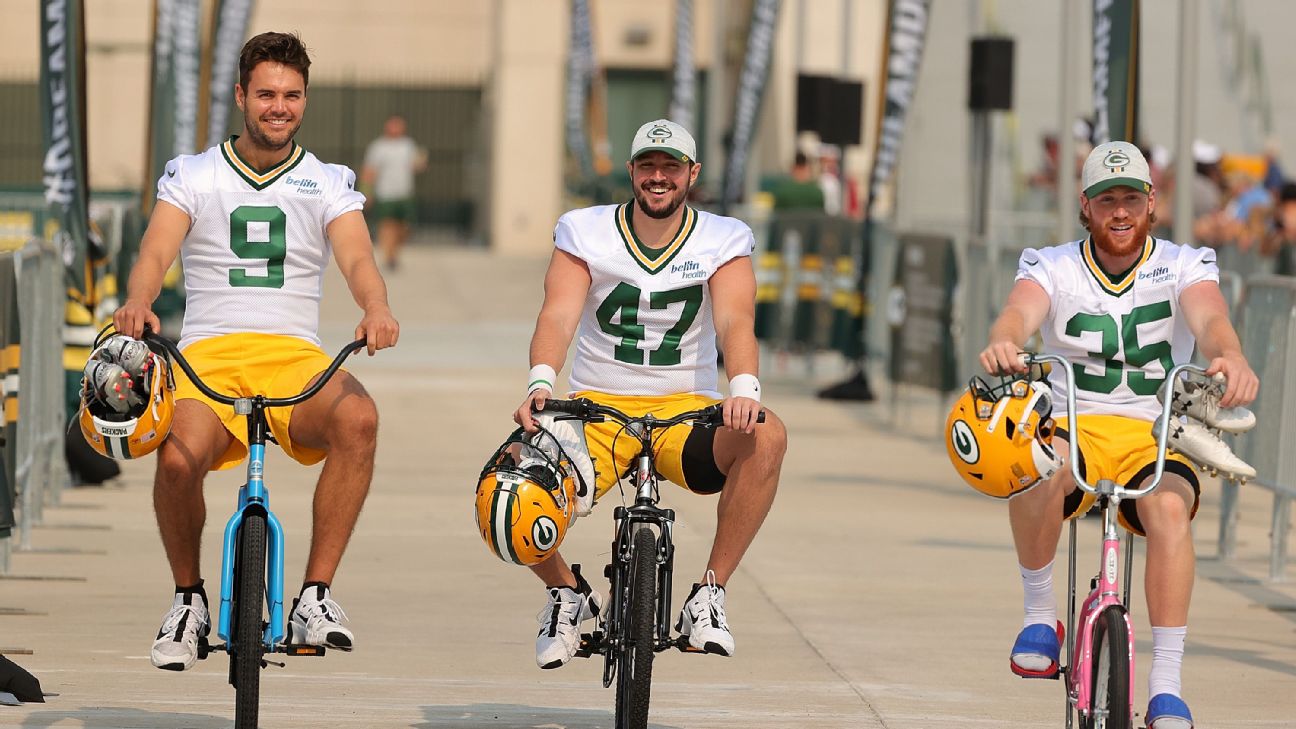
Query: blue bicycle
[(251, 590)]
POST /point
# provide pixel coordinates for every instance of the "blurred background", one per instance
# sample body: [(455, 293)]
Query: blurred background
[(892, 157)]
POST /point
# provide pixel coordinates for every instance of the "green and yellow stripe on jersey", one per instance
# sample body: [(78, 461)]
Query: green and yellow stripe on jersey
[(653, 260), (1119, 283), (260, 179)]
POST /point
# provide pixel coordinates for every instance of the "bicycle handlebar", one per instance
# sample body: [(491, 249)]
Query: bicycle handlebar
[(593, 412), (302, 396), (1073, 443)]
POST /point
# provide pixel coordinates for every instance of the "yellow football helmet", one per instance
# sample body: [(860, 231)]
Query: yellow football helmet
[(1000, 439), (526, 498), (127, 398)]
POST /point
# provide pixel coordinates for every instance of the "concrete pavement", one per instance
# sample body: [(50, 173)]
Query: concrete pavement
[(881, 592)]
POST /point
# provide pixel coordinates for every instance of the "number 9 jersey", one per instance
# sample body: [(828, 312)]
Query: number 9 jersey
[(1123, 333), (646, 328), (255, 254)]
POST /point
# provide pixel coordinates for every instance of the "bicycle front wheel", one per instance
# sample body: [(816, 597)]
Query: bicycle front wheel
[(1109, 706), (634, 672), (249, 627)]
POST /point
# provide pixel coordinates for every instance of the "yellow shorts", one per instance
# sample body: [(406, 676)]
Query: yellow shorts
[(1123, 450), (253, 364), (608, 445)]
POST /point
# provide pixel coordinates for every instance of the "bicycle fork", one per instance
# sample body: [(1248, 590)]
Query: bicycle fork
[(253, 495)]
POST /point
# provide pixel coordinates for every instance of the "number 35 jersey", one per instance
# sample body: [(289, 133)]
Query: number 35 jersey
[(1122, 334), (647, 327), (255, 254)]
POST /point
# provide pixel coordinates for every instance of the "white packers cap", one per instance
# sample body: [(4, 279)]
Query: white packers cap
[(666, 136), (1113, 164)]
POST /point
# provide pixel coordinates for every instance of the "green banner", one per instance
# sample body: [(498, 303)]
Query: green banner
[(173, 103), (229, 29), (62, 37), (1115, 70)]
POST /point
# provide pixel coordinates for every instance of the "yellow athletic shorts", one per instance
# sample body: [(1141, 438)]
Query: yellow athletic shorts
[(608, 445), (1123, 450), (273, 365)]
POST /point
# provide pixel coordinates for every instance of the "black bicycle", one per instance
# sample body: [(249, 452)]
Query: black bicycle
[(637, 624), (252, 561)]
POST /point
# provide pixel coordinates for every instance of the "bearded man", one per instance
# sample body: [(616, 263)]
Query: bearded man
[(1124, 307)]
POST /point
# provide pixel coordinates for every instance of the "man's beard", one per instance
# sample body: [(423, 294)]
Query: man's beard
[(262, 140), (669, 210), (1103, 239)]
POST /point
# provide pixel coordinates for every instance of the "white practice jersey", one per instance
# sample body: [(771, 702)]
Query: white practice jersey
[(647, 327), (1123, 335), (255, 254)]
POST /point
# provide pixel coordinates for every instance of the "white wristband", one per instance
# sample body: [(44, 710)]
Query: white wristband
[(745, 386), (542, 377)]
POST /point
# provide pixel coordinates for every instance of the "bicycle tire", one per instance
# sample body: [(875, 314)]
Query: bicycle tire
[(1109, 703), (249, 628), (634, 674)]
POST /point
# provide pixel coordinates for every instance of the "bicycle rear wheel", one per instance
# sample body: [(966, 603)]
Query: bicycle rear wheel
[(634, 672), (249, 626), (1109, 706)]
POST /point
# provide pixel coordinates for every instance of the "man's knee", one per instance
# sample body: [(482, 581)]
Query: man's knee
[(1163, 512), (771, 437), (356, 423), (179, 465)]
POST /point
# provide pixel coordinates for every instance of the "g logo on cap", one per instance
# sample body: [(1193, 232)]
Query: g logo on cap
[(1116, 160), (659, 133)]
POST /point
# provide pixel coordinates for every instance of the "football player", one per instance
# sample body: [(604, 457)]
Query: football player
[(1125, 308)]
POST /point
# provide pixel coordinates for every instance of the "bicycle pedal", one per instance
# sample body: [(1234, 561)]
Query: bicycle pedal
[(684, 646), (303, 650), (204, 648)]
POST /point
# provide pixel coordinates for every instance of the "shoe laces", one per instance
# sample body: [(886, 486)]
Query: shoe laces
[(711, 607), (558, 601), (324, 610), (171, 621)]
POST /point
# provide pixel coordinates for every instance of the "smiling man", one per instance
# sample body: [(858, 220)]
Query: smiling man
[(254, 220), (1125, 308), (648, 288)]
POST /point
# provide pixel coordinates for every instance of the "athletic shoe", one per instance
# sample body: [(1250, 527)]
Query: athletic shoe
[(1167, 711), (111, 385), (560, 621), (131, 354), (1036, 650), (317, 620), (702, 620), (185, 625), (1200, 401), (1203, 447)]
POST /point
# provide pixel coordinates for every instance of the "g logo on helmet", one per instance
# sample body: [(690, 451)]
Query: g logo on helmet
[(999, 439), (544, 532), (965, 442), (525, 501)]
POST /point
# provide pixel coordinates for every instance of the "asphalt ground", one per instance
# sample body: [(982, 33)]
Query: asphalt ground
[(881, 592)]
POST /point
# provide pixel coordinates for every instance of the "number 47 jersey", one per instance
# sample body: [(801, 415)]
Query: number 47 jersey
[(647, 328), (1123, 333), (255, 254)]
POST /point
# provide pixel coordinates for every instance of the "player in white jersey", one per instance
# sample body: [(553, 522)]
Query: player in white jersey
[(648, 287), (254, 220), (1125, 307)]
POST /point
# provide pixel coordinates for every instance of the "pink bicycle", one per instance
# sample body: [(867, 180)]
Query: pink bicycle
[(1099, 664)]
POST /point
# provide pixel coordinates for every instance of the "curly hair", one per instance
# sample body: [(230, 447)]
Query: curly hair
[(285, 48)]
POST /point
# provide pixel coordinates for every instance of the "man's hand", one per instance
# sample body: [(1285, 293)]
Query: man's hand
[(378, 328), (1242, 381), (133, 316), (524, 415), (1003, 358), (740, 414)]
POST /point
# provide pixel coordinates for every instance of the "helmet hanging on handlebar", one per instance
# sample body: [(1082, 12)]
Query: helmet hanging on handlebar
[(1000, 439), (526, 498)]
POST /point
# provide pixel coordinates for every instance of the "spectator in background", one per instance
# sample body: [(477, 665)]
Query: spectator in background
[(1280, 240), (830, 178), (1210, 225), (390, 163), (799, 190)]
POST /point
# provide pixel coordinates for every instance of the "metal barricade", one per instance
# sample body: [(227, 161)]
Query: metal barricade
[(1267, 327)]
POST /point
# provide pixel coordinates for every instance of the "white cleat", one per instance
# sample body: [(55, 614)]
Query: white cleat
[(1200, 400), (1204, 448)]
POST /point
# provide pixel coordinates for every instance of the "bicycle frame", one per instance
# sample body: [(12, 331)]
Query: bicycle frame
[(1080, 645)]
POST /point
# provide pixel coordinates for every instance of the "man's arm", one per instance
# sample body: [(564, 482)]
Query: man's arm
[(1206, 315), (167, 228), (566, 285), (354, 254), (733, 308), (1027, 305)]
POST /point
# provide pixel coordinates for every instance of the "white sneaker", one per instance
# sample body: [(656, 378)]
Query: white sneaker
[(183, 627), (702, 620), (560, 620), (317, 620), (1200, 400), (1203, 447)]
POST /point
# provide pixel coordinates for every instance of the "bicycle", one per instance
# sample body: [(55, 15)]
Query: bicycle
[(637, 624), (253, 550), (1099, 662)]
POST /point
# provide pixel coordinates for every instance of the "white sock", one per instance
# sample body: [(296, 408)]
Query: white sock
[(1167, 660), (1041, 607)]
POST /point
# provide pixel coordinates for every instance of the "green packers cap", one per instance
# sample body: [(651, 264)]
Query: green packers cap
[(666, 136), (1113, 164)]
